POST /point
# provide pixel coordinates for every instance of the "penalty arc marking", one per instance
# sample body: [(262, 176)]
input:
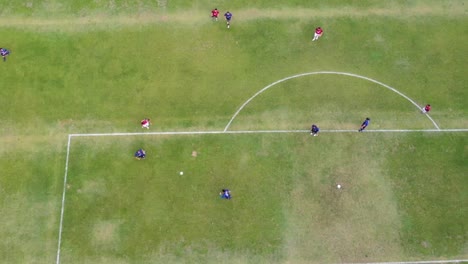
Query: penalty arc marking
[(327, 72)]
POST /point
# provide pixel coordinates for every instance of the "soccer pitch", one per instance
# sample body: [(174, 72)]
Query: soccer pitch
[(232, 108)]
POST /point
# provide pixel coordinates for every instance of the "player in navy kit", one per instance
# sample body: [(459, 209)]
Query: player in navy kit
[(228, 16), (314, 130), (364, 124), (4, 53), (140, 154), (225, 194)]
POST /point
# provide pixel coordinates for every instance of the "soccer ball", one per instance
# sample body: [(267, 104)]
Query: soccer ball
[(181, 173), (338, 186)]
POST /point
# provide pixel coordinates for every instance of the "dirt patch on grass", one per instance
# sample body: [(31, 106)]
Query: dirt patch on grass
[(358, 223), (105, 232), (92, 187)]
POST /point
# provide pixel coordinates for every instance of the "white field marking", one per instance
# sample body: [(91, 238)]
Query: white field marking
[(62, 210), (417, 262), (327, 72), (265, 131)]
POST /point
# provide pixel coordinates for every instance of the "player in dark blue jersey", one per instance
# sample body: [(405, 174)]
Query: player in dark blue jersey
[(314, 130), (228, 16), (364, 124), (4, 53), (140, 154), (225, 194)]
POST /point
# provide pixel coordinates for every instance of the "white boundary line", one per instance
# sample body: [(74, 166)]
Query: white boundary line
[(326, 72), (417, 262), (265, 131), (62, 210)]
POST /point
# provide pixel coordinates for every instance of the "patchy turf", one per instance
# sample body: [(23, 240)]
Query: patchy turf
[(101, 66), (295, 212)]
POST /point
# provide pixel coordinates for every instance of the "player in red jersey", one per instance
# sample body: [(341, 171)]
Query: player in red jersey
[(426, 109), (145, 123), (214, 14), (318, 33)]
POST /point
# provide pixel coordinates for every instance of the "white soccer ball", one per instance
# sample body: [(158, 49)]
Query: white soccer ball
[(181, 173), (338, 186)]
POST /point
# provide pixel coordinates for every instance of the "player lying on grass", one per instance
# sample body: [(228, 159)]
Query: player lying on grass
[(140, 154), (4, 53)]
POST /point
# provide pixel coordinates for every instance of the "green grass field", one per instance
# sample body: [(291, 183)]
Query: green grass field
[(101, 66)]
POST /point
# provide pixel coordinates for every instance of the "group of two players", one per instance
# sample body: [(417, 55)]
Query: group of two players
[(314, 130), (141, 153), (227, 16)]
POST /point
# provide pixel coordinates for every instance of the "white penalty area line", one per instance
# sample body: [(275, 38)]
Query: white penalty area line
[(265, 132), (418, 262), (62, 209)]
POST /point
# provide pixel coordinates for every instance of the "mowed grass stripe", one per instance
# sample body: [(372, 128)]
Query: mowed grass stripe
[(196, 17), (29, 207)]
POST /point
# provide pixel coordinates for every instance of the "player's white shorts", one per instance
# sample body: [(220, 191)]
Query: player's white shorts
[(146, 125), (316, 36)]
